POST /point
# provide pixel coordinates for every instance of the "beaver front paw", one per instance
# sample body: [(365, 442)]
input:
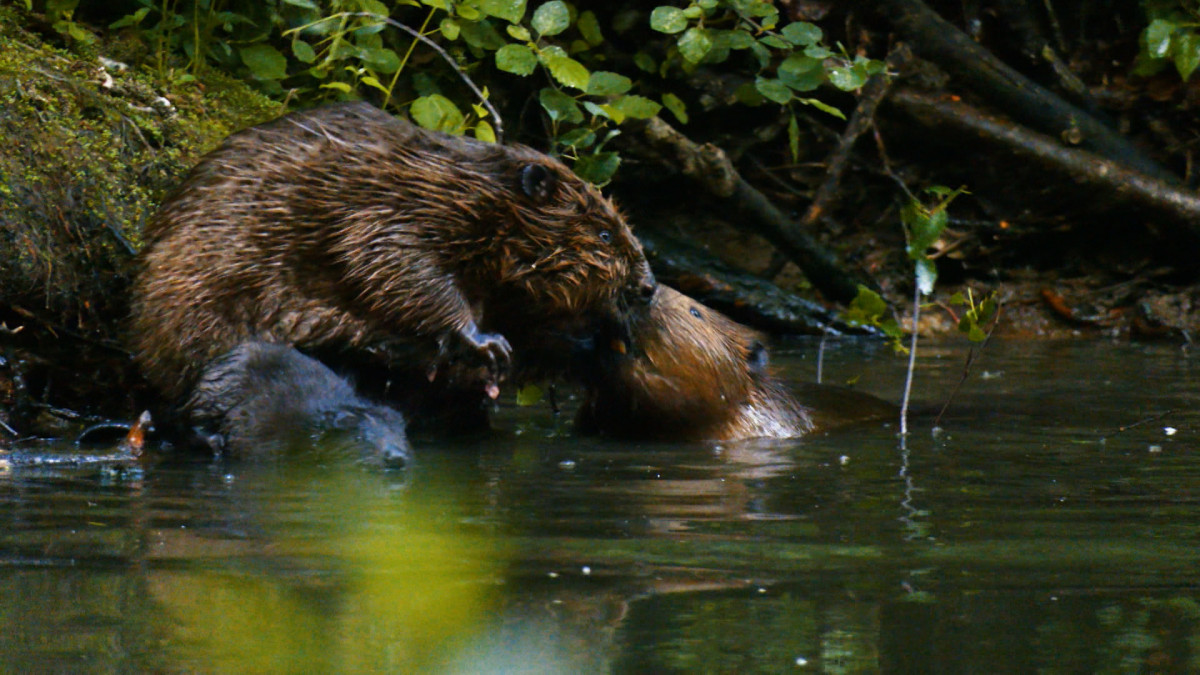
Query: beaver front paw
[(493, 347)]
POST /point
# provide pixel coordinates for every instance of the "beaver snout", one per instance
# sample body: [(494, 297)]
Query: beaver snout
[(647, 288), (645, 285)]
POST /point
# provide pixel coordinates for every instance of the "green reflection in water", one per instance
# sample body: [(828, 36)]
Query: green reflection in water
[(353, 574)]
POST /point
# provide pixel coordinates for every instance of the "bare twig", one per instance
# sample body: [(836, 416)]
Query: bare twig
[(499, 124)]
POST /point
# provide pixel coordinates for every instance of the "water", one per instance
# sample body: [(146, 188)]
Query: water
[(1053, 526)]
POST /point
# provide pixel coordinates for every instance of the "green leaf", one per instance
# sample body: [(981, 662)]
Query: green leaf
[(987, 310), (761, 53), (759, 8), (669, 20), (775, 42), (559, 106), (1158, 38), (801, 73), (530, 394), (437, 112), (469, 12), (645, 62), (306, 4), (926, 275), (511, 11), (847, 78), (303, 51), (374, 7), (801, 33), (131, 19), (866, 309), (732, 39), (924, 227), (579, 138), (589, 28), (371, 81), (481, 35), (450, 28), (823, 107), (606, 111), (485, 132), (383, 59), (597, 168), (1187, 54), (516, 59), (551, 18), (568, 71), (637, 107), (518, 33), (676, 106), (694, 44), (773, 89), (264, 61), (817, 52), (605, 83), (340, 86)]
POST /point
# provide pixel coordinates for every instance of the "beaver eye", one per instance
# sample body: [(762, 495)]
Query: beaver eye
[(605, 236), (696, 313)]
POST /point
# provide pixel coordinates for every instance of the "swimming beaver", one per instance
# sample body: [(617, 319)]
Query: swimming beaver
[(262, 399), (690, 373), (345, 228)]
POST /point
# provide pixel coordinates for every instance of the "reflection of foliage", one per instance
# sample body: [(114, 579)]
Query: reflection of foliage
[(735, 633), (1145, 635), (399, 591)]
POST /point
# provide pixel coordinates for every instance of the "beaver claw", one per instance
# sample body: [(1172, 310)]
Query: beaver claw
[(494, 347)]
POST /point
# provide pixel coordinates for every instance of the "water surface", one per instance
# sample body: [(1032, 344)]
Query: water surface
[(1052, 526)]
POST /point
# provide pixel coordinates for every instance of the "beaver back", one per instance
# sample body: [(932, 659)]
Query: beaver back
[(344, 226)]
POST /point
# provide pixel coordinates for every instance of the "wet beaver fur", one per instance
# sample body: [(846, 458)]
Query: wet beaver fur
[(263, 400), (343, 228), (687, 373)]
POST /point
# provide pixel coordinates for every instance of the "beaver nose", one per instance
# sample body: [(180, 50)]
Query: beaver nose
[(647, 285)]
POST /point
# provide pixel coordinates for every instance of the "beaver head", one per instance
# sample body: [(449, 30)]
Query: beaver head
[(684, 371), (575, 251)]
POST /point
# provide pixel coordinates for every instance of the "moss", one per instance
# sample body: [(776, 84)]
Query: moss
[(87, 154)]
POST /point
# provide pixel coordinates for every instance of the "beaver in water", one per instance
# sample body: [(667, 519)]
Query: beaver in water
[(344, 228), (690, 373), (264, 399)]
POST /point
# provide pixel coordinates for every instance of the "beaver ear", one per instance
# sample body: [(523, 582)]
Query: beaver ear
[(758, 357), (536, 181)]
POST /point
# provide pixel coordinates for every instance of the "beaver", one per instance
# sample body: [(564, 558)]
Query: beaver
[(690, 373), (265, 399), (687, 373), (344, 228)]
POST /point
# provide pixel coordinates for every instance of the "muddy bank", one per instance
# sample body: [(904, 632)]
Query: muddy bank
[(92, 140)]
